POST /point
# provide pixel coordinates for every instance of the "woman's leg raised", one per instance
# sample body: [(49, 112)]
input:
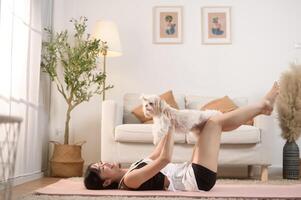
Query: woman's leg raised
[(208, 142)]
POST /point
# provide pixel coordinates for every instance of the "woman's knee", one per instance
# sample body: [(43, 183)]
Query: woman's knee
[(214, 121)]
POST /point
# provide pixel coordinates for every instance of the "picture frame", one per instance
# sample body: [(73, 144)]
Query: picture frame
[(216, 25), (167, 24)]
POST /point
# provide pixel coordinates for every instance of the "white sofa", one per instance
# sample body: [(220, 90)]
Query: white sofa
[(124, 139)]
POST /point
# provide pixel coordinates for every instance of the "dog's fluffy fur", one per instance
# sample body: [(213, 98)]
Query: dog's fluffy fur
[(184, 121)]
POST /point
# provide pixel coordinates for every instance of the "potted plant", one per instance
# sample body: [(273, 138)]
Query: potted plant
[(289, 110), (76, 57)]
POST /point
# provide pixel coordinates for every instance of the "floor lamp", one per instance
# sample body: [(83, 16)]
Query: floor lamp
[(107, 32)]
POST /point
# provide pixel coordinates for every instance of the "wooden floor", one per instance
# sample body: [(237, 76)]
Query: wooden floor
[(29, 187)]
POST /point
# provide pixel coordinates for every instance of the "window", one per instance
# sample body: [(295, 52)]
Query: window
[(20, 48)]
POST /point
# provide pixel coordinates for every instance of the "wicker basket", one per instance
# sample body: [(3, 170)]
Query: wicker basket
[(66, 160)]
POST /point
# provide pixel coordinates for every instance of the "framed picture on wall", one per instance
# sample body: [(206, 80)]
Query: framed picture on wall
[(216, 25), (167, 24)]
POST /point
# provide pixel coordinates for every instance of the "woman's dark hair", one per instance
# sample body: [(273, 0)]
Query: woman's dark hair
[(93, 180)]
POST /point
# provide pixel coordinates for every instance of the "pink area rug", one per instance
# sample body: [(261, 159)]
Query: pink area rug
[(71, 187)]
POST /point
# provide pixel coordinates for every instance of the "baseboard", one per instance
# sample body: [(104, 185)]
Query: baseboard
[(27, 177), (17, 180)]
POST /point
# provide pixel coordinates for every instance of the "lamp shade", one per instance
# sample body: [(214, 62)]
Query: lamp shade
[(107, 31)]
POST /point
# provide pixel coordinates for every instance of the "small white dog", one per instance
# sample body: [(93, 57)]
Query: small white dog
[(185, 121)]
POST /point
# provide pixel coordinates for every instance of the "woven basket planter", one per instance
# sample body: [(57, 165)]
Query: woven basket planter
[(66, 161)]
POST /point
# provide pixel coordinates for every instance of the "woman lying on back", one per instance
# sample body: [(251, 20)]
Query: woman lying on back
[(156, 172)]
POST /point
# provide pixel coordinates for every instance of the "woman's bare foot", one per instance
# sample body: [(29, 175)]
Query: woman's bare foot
[(269, 100)]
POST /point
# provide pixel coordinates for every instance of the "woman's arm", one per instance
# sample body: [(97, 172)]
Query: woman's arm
[(156, 152), (138, 176)]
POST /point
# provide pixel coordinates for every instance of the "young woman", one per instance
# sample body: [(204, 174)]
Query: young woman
[(157, 173)]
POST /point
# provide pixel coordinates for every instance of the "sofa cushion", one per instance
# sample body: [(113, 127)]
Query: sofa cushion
[(224, 104), (131, 101), (243, 135), (196, 102), (139, 133)]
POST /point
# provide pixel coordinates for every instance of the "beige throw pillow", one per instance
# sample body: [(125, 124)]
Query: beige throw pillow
[(224, 105)]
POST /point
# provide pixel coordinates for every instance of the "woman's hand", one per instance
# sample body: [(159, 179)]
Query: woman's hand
[(168, 135)]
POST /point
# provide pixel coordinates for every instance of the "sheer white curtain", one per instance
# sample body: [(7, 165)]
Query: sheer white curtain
[(20, 49)]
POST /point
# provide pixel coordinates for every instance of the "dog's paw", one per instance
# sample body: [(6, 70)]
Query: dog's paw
[(164, 126), (157, 137), (155, 141)]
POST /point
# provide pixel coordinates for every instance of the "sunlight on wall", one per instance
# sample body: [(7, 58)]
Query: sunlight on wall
[(5, 53)]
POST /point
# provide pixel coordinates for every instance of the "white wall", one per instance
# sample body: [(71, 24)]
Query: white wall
[(263, 32)]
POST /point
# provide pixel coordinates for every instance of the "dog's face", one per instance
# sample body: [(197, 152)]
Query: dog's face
[(152, 105)]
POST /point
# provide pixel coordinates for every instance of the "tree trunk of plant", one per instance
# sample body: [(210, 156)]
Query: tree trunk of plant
[(66, 139)]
